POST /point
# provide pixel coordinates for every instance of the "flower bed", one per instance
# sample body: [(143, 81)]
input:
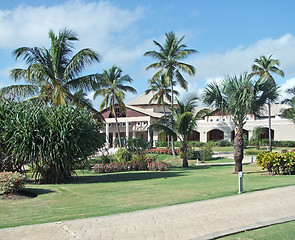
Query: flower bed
[(162, 151), (130, 166), (277, 163), (11, 182)]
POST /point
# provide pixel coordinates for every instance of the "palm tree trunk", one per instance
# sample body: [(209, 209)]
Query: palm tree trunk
[(269, 124), (117, 125), (184, 154), (165, 114), (238, 149), (172, 104)]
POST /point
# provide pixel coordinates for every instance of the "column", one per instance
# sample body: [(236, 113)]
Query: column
[(149, 131), (107, 135), (127, 130)]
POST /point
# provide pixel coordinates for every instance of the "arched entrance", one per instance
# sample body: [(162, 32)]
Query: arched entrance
[(195, 136), (265, 134), (215, 135)]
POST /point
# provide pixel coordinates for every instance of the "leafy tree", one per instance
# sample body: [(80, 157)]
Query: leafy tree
[(169, 63), (256, 137), (51, 139), (264, 67), (237, 96), (290, 112), (184, 122), (53, 73), (113, 90)]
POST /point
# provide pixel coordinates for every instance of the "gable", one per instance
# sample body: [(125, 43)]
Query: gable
[(129, 113)]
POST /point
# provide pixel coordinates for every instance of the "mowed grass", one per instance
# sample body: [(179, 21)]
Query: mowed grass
[(91, 194), (284, 231)]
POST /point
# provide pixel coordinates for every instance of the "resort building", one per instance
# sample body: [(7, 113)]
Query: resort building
[(140, 114)]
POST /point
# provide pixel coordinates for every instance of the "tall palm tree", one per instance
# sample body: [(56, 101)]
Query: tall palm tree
[(264, 67), (169, 63), (161, 91), (237, 96), (185, 121), (53, 73), (113, 89), (290, 112)]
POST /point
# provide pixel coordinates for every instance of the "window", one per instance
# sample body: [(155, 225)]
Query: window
[(217, 120), (211, 120)]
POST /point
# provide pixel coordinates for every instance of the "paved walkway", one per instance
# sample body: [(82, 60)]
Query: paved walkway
[(198, 220)]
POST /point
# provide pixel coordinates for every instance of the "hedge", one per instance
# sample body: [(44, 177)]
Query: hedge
[(277, 163)]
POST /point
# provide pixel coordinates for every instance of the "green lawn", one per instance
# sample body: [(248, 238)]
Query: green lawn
[(93, 194), (284, 231)]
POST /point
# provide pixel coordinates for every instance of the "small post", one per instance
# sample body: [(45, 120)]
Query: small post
[(240, 182), (197, 161), (252, 159)]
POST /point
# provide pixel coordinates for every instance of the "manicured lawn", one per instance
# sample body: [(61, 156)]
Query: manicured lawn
[(93, 194), (284, 231)]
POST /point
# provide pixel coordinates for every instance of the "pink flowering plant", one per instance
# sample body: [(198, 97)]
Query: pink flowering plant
[(162, 151), (145, 165), (11, 182)]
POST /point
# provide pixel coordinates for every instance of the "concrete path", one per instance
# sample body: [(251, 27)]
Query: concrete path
[(198, 220)]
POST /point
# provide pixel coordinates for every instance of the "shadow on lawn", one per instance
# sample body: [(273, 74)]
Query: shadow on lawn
[(124, 176)]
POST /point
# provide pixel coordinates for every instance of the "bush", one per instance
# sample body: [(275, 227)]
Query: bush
[(195, 144), (206, 152), (161, 144), (51, 139), (277, 163), (11, 182), (148, 165), (123, 155)]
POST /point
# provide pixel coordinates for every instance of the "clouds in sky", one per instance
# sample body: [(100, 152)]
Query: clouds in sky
[(117, 34)]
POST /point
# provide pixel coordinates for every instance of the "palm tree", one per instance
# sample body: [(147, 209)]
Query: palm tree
[(184, 122), (161, 91), (113, 89), (263, 67), (237, 96), (168, 63), (53, 73), (290, 112)]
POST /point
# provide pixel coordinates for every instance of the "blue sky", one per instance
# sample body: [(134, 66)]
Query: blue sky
[(228, 34)]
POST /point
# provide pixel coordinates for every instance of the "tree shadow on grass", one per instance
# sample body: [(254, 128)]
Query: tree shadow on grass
[(38, 191), (123, 177)]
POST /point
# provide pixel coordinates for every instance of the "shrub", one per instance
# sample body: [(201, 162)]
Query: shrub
[(148, 165), (206, 152), (195, 144), (161, 144), (11, 182), (277, 163), (123, 155)]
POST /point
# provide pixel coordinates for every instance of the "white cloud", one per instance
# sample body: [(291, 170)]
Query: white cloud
[(236, 61), (288, 84)]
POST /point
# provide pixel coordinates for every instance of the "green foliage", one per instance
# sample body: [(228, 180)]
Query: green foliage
[(123, 155), (161, 144), (195, 144), (206, 152), (277, 163), (50, 139), (11, 182)]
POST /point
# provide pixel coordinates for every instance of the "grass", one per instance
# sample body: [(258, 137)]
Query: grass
[(90, 194), (280, 231)]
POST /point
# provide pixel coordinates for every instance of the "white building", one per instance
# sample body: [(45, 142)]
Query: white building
[(140, 115)]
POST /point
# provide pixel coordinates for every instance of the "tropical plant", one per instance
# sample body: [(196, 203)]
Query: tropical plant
[(184, 122), (264, 67), (51, 140), (113, 90), (290, 112), (53, 73), (256, 137), (237, 96), (169, 63)]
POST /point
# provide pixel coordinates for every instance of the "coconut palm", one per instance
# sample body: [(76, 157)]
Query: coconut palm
[(113, 90), (264, 67), (237, 96), (290, 112), (161, 91), (184, 122), (53, 73), (169, 63)]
